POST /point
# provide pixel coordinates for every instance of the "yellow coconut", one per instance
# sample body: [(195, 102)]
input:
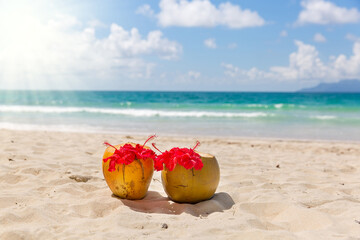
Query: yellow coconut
[(128, 181), (190, 185)]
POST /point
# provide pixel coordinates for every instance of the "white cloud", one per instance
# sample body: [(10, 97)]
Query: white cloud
[(325, 12), (318, 37), (145, 10), (283, 33), (194, 74), (210, 43), (349, 67), (244, 75), (62, 50), (130, 43), (231, 70), (202, 13), (304, 65)]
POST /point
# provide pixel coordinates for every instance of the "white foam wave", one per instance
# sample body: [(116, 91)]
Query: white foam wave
[(130, 112), (279, 105), (53, 128), (323, 117)]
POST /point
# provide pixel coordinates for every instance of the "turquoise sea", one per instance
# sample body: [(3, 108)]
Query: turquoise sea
[(275, 115)]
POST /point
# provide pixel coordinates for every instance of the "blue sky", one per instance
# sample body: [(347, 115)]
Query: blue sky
[(197, 45)]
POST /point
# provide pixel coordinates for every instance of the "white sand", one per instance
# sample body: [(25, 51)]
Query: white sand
[(269, 189)]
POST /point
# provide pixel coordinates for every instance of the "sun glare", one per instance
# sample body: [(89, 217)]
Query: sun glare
[(21, 39), (23, 33), (21, 28), (24, 44)]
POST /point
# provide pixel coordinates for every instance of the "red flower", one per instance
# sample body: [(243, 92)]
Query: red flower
[(185, 157), (127, 154)]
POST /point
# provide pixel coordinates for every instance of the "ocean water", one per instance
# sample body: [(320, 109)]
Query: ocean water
[(267, 115)]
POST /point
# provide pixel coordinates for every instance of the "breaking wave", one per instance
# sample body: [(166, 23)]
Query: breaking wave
[(132, 112)]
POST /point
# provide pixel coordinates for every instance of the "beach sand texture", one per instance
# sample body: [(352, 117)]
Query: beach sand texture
[(52, 187)]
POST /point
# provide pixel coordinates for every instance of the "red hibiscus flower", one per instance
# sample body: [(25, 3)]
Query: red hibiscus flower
[(128, 153), (185, 157)]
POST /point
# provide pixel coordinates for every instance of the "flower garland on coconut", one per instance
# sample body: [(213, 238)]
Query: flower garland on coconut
[(127, 153), (137, 169), (188, 176), (185, 157)]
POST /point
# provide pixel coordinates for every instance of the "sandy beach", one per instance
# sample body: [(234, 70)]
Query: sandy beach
[(52, 187)]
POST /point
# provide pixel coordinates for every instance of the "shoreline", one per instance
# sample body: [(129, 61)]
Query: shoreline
[(186, 135)]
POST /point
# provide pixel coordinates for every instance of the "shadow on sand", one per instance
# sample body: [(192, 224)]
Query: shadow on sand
[(155, 203)]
